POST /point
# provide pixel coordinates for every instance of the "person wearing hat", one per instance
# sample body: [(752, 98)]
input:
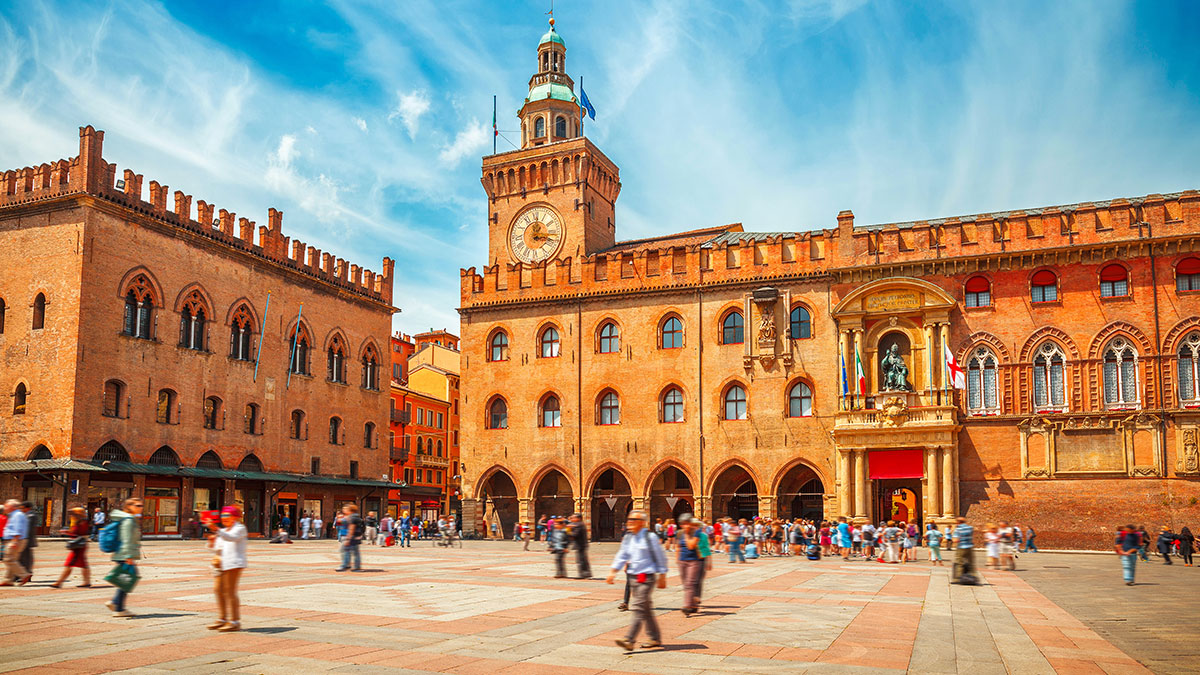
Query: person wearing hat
[(228, 542), (76, 548)]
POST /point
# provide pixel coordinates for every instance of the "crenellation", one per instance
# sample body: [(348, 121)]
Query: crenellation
[(246, 231), (133, 184), (298, 248), (204, 213), (183, 206), (158, 197), (327, 262), (355, 275), (340, 270), (314, 259), (225, 223)]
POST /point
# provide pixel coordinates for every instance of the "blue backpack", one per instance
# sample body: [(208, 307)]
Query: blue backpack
[(110, 537)]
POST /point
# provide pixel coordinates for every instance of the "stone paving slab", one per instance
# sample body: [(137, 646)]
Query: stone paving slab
[(492, 608)]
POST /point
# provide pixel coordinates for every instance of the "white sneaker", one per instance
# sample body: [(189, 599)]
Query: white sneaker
[(112, 606), (123, 612)]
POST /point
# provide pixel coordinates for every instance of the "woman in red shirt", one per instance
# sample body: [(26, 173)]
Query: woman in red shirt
[(76, 548)]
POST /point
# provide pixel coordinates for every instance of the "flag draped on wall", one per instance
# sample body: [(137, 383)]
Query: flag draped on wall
[(958, 376)]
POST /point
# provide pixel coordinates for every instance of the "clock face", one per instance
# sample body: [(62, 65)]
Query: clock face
[(535, 235)]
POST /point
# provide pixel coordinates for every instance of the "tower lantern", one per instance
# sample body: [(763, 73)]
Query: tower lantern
[(551, 111)]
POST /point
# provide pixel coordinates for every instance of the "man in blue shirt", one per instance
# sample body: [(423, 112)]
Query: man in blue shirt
[(1127, 547), (16, 536), (642, 557), (964, 551)]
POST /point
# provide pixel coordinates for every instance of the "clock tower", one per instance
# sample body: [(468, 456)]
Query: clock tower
[(554, 197)]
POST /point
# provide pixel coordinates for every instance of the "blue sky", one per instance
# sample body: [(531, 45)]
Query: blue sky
[(365, 121)]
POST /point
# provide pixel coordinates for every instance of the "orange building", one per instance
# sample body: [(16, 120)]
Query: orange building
[(144, 357), (703, 371)]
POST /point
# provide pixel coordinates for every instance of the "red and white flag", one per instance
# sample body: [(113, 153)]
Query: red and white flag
[(957, 376)]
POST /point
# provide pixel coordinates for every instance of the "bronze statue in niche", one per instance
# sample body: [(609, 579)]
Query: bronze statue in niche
[(895, 371)]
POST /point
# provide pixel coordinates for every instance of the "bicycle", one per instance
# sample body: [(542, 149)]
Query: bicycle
[(447, 539)]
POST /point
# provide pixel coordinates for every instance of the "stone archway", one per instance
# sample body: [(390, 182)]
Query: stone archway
[(670, 495), (612, 499), (500, 503), (800, 494), (735, 494), (552, 496)]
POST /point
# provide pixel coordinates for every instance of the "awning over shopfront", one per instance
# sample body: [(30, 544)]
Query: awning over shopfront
[(54, 465), (885, 464)]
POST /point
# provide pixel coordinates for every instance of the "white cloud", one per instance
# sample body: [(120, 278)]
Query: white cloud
[(470, 140), (409, 109), (361, 124)]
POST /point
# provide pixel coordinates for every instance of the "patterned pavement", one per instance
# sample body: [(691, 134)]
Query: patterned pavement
[(491, 608)]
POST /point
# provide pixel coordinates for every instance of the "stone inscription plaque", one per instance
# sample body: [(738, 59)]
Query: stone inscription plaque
[(1091, 450), (890, 302)]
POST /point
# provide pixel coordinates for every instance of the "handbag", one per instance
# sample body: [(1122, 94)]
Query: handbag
[(124, 576), (77, 543)]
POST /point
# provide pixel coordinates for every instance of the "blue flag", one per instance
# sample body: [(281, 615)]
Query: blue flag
[(586, 106), (845, 381)]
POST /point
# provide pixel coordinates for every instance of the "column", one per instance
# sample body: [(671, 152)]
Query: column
[(848, 363), (525, 510), (933, 484), (844, 480), (639, 503), (766, 506), (931, 352), (860, 484), (703, 507), (949, 483)]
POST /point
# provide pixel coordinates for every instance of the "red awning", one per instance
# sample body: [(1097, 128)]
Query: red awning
[(1044, 278), (886, 464), (978, 285), (1113, 273), (1188, 266)]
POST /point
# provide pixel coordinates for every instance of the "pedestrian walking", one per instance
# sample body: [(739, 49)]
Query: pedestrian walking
[(733, 541), (1127, 545), (1143, 543), (318, 526), (1187, 545), (228, 543), (31, 539), (351, 539), (128, 552), (690, 563), (1008, 558), (991, 538), (843, 537), (557, 543), (579, 540), (99, 518), (526, 534), (385, 530), (964, 553), (1166, 538), (933, 539), (704, 546), (891, 541), (305, 525), (641, 555), (78, 532), (372, 528), (15, 540), (1028, 545)]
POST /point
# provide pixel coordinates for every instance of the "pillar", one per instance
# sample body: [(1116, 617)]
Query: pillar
[(931, 353), (525, 510), (845, 346), (949, 483), (639, 503), (844, 481), (860, 485), (766, 506), (704, 508), (933, 484)]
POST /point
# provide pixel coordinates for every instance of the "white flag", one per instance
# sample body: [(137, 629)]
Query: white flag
[(958, 376)]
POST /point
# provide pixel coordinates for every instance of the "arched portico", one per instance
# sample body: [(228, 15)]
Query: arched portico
[(610, 499), (496, 492)]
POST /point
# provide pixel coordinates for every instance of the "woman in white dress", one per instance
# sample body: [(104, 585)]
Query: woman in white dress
[(992, 537)]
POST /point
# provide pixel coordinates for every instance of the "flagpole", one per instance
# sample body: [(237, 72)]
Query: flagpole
[(295, 341), (582, 112), (494, 132), (262, 329)]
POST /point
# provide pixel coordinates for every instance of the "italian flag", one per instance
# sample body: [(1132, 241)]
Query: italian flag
[(859, 376)]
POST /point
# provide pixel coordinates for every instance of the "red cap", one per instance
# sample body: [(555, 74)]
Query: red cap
[(231, 511)]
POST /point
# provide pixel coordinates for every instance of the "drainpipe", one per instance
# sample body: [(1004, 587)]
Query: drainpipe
[(699, 489), (579, 395)]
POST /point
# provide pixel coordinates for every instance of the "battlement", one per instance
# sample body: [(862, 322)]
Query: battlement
[(88, 173)]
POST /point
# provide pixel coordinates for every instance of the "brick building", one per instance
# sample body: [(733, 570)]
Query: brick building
[(703, 371), (172, 354)]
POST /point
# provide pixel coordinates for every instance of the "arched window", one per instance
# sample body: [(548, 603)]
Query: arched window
[(981, 383), (610, 408), (497, 414), (610, 338), (733, 328), (439, 449), (498, 346), (209, 460), (335, 430), (335, 360), (799, 323), (800, 400), (111, 451), (369, 435), (548, 343), (297, 429), (213, 414), (551, 411), (1114, 281), (41, 452), (251, 464), (420, 444), (299, 346), (114, 399), (164, 456), (191, 322), (370, 369), (978, 292), (1187, 275), (3, 309), (139, 315), (735, 403), (241, 335), (1044, 286), (164, 412), (671, 335), (39, 312), (539, 127), (1049, 387), (560, 126), (19, 397), (250, 419), (672, 406), (1189, 362), (1120, 373)]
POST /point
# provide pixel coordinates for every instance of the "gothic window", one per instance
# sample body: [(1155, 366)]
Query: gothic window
[(799, 323), (165, 411), (1049, 386), (370, 368), (1114, 282), (335, 430), (672, 406), (733, 328), (800, 400), (610, 408), (250, 419), (978, 292), (981, 383), (671, 335), (335, 360), (735, 403), (551, 411), (209, 460), (212, 412), (1189, 361), (498, 346), (1044, 287), (19, 397), (369, 435), (111, 451), (251, 464), (299, 347), (548, 342), (114, 399), (191, 322), (560, 127), (1187, 275), (39, 312), (164, 456), (1120, 373), (139, 316), (241, 335), (610, 338), (539, 127), (41, 452), (497, 414), (296, 428)]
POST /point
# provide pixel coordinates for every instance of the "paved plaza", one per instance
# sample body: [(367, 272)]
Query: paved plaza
[(491, 608)]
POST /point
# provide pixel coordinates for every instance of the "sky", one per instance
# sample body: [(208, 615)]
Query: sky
[(365, 122)]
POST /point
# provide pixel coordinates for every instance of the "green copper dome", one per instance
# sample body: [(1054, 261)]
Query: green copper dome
[(551, 90), (551, 36)]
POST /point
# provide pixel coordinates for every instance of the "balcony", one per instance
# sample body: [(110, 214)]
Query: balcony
[(401, 417), (898, 420), (399, 454), (432, 462)]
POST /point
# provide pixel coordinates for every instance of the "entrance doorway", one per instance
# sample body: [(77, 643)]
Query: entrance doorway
[(553, 496), (899, 500), (801, 495), (160, 511), (670, 495), (611, 501), (735, 495)]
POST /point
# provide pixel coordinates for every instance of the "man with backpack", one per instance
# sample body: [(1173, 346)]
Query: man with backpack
[(123, 538), (964, 553)]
